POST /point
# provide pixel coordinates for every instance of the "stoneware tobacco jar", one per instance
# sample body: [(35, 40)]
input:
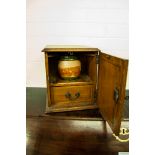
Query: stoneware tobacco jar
[(69, 67)]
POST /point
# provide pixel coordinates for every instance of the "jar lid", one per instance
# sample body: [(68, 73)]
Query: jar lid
[(68, 57)]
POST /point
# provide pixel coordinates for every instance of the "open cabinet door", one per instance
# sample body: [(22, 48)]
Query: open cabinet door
[(111, 89)]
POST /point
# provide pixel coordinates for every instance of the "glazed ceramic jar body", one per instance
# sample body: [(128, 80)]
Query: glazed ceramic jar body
[(69, 67)]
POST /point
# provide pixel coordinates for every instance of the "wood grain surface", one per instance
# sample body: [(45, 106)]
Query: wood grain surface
[(51, 136)]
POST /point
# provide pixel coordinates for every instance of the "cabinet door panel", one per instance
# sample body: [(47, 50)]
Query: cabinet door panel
[(111, 89)]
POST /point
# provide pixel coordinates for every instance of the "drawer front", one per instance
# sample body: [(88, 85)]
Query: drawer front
[(72, 95)]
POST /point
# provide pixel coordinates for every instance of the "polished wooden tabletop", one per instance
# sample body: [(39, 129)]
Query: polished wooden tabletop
[(53, 135)]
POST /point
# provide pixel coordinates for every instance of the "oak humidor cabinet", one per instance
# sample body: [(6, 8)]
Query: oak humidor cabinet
[(101, 83)]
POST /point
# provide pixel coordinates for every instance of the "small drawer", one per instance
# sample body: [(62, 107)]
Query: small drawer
[(72, 95)]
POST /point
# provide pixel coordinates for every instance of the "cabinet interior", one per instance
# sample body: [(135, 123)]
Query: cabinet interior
[(88, 73)]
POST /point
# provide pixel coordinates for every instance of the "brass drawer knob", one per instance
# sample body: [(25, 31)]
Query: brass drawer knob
[(70, 97)]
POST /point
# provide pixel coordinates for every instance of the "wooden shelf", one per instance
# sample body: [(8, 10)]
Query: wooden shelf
[(82, 80)]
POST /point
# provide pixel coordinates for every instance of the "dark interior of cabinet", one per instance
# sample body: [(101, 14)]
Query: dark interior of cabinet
[(88, 67)]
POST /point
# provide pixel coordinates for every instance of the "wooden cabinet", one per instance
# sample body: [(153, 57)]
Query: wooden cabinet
[(101, 83)]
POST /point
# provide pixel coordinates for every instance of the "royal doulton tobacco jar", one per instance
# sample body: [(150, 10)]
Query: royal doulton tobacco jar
[(69, 67)]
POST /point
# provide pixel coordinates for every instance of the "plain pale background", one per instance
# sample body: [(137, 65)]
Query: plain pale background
[(102, 24)]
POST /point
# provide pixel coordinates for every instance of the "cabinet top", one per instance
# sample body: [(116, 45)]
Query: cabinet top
[(70, 48)]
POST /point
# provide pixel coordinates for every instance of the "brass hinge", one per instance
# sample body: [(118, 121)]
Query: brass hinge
[(95, 94), (97, 59)]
